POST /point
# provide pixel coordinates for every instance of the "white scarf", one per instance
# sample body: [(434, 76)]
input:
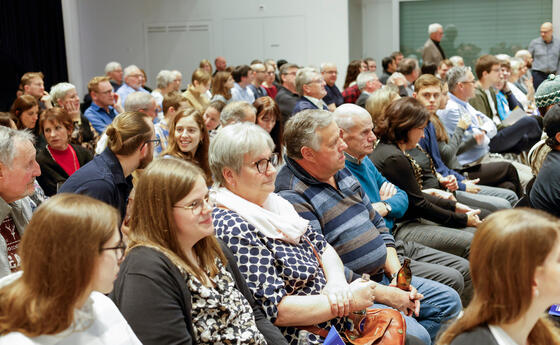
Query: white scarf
[(276, 219)]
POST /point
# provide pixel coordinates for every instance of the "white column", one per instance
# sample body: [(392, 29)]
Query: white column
[(72, 43)]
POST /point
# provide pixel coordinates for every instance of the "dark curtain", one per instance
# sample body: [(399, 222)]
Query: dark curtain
[(31, 40)]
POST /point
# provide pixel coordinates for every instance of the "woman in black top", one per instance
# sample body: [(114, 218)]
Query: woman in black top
[(401, 129)]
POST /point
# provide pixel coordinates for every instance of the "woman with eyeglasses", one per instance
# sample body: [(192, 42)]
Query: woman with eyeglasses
[(70, 254), (189, 140), (277, 251), (177, 285)]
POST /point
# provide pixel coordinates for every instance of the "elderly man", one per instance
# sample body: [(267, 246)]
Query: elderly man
[(108, 176), (287, 96), (333, 98), (243, 76), (311, 88), (391, 203), (259, 71), (18, 169), (239, 111), (114, 71), (220, 63), (368, 83), (133, 79), (432, 53), (103, 108), (315, 173), (178, 79), (457, 61), (546, 55), (461, 83)]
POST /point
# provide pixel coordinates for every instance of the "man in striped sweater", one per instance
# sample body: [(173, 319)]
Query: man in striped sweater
[(322, 190)]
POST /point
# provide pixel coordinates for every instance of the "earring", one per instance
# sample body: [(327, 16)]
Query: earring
[(536, 292)]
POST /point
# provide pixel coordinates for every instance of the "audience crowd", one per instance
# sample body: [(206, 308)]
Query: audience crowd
[(264, 205)]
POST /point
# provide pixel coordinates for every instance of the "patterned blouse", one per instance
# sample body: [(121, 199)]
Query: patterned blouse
[(273, 268), (221, 314)]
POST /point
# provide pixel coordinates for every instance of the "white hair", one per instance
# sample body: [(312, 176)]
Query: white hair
[(516, 64), (344, 115), (523, 54), (456, 75), (59, 91), (235, 112), (303, 77), (164, 78), (8, 138), (503, 57), (434, 28), (177, 73), (456, 60), (231, 143), (326, 65), (138, 101), (111, 66), (364, 77), (258, 65), (130, 69)]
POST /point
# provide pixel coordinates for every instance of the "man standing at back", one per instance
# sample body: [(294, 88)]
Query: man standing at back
[(546, 55), (432, 52), (18, 169)]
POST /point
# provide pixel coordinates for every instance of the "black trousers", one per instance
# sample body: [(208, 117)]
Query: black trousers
[(496, 174), (538, 78), (519, 137)]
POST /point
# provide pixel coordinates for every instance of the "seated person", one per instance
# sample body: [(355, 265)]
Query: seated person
[(64, 95), (311, 88), (196, 93), (275, 247), (177, 284), (511, 312), (25, 112), (189, 140), (71, 251), (58, 159), (212, 115), (545, 194), (351, 92), (269, 118), (391, 203), (173, 102), (404, 126), (315, 181)]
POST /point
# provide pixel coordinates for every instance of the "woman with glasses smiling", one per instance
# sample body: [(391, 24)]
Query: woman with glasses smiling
[(277, 251), (70, 253), (177, 285)]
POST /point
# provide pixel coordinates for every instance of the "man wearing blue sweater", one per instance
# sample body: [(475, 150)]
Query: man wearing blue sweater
[(391, 202)]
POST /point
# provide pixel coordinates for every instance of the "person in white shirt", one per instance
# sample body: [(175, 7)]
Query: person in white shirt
[(71, 252)]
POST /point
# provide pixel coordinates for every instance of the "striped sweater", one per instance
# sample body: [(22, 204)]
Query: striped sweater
[(344, 216)]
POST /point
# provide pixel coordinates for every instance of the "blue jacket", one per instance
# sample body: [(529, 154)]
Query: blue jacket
[(303, 103)]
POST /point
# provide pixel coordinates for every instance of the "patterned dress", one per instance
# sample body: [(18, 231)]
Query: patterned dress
[(273, 268), (221, 314)]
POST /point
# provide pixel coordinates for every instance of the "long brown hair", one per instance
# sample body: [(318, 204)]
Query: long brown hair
[(352, 72), (58, 251), (21, 104), (201, 154), (219, 84), (267, 106), (505, 252), (164, 183)]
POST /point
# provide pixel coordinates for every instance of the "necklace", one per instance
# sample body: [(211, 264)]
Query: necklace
[(74, 157)]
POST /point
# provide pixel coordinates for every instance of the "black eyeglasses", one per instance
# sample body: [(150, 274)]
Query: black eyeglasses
[(262, 165), (156, 142), (119, 250)]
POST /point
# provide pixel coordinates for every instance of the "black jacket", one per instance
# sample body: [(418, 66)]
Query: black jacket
[(153, 296)]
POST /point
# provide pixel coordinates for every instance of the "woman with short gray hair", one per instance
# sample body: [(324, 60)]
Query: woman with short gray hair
[(165, 83), (276, 250)]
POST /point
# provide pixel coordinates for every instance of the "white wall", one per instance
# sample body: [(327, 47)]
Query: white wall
[(380, 24), (110, 30)]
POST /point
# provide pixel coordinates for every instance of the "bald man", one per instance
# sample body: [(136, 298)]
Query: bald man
[(546, 55)]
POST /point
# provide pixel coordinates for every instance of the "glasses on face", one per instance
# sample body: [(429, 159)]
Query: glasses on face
[(262, 165), (156, 142), (197, 205), (119, 250), (105, 92), (468, 81)]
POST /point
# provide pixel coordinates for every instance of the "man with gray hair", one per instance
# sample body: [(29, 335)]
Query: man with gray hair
[(409, 69), (311, 88), (457, 61), (368, 83), (239, 111), (333, 97), (315, 173), (287, 96), (260, 72), (432, 53), (18, 169), (114, 71), (133, 78)]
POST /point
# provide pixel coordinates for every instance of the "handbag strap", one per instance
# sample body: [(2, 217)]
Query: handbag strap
[(315, 252)]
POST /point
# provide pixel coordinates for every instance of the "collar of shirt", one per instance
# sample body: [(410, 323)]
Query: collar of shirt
[(97, 108), (352, 159), (318, 102), (115, 166)]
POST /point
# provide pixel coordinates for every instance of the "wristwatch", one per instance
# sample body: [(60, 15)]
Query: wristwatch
[(388, 207)]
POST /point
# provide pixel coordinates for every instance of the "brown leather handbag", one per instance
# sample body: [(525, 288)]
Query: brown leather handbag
[(377, 326)]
